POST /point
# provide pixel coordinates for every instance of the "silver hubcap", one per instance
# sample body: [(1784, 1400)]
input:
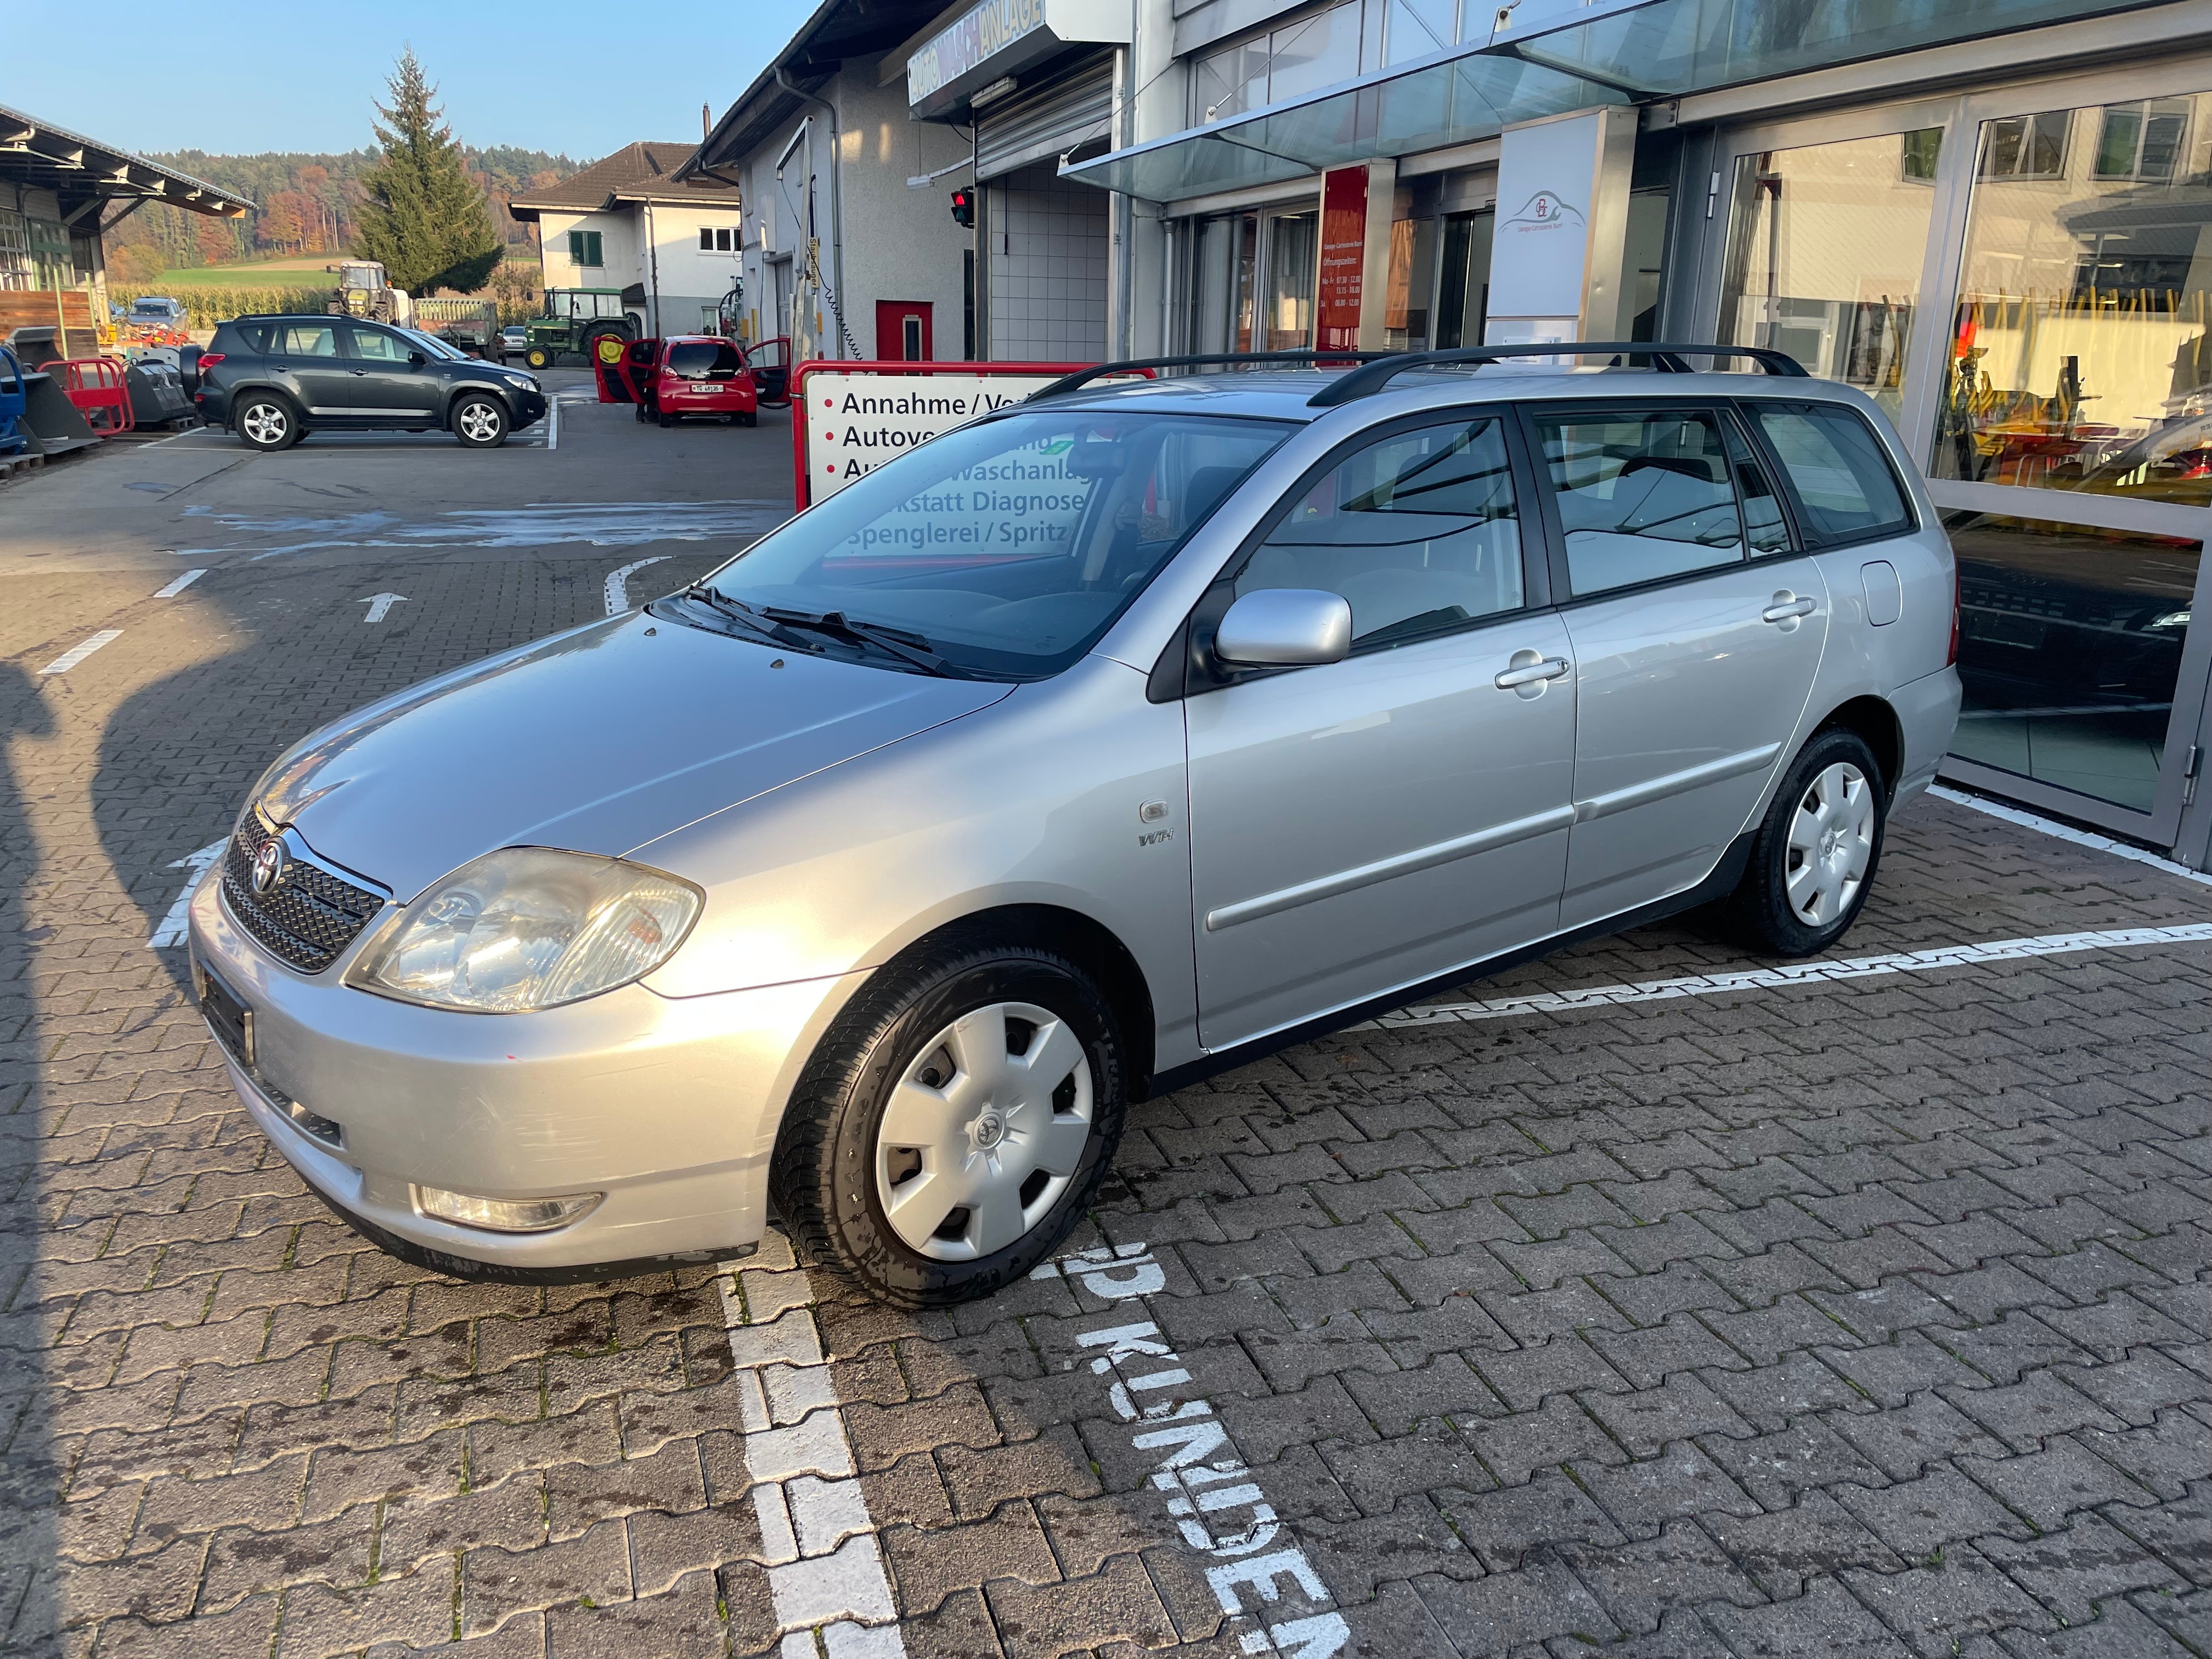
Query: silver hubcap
[(1830, 844), (265, 423), (984, 1132), (479, 422)]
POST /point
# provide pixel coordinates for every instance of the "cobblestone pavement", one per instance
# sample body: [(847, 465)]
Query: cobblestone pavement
[(1864, 1315)]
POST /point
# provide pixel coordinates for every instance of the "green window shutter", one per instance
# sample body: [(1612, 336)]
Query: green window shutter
[(584, 247)]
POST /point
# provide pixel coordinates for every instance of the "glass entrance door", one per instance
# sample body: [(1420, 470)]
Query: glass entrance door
[(1252, 280), (2023, 281)]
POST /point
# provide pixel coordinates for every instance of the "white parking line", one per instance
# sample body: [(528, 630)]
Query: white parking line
[(2067, 832), (826, 1578), (174, 924), (75, 655), (1796, 973), (552, 424), (179, 584), (617, 593)]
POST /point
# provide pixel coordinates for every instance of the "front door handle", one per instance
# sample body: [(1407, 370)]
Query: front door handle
[(1786, 609), (1530, 673)]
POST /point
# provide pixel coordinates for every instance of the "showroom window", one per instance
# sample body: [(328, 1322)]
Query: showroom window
[(1824, 254)]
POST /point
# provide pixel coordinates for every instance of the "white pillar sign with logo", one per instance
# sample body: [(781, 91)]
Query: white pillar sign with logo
[(1556, 256)]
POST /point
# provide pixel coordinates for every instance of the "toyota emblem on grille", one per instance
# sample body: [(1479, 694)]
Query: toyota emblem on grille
[(269, 867)]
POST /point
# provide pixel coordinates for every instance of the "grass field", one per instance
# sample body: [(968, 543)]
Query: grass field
[(297, 270)]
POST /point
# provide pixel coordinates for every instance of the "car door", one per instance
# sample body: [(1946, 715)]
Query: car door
[(307, 362), (393, 378), (1364, 824), (1697, 630)]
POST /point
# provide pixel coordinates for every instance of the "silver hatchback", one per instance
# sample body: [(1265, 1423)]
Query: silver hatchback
[(1083, 751)]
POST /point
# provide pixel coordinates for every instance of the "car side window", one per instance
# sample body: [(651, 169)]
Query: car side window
[(307, 340), (375, 346), (1845, 488), (1418, 531), (1765, 525), (1642, 496)]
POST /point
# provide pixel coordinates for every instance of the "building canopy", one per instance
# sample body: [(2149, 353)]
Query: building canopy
[(1564, 57), (85, 172)]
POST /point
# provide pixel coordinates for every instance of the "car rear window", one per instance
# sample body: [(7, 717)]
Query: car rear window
[(243, 337), (700, 360), (1846, 491)]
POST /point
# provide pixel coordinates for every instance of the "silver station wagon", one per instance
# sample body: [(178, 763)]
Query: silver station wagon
[(1088, 749)]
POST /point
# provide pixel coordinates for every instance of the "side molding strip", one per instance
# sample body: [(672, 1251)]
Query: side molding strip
[(1366, 875), (1675, 783)]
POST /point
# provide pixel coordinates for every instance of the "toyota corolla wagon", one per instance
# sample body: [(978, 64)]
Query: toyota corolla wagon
[(1086, 750)]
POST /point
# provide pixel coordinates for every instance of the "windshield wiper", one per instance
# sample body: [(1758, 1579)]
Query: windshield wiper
[(896, 641), (738, 612)]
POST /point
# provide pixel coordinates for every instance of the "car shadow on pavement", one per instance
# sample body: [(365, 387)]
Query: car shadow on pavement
[(31, 953)]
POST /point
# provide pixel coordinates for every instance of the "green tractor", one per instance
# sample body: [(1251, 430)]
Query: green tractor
[(576, 320)]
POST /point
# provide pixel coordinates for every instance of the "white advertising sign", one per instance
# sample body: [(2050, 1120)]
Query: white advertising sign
[(1541, 248), (855, 422)]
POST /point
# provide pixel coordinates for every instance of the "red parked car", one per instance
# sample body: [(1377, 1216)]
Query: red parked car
[(689, 375)]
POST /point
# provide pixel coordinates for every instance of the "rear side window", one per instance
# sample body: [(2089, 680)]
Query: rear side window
[(307, 340), (242, 337), (1641, 496), (1845, 488)]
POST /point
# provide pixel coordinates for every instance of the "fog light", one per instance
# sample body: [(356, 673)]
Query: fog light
[(506, 1215)]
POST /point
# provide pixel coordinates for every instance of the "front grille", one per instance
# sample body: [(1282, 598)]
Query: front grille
[(311, 914)]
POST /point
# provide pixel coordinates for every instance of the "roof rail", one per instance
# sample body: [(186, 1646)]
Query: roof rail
[(1142, 365), (1372, 377)]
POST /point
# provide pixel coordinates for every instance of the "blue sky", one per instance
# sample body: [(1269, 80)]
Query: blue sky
[(241, 76)]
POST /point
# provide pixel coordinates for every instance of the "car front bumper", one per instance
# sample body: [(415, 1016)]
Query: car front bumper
[(669, 1106), (529, 408)]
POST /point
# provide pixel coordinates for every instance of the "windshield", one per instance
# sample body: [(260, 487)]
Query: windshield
[(704, 360), (434, 345), (1010, 545)]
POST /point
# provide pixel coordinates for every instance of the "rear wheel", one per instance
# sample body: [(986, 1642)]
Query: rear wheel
[(480, 421), (953, 1124), (1813, 859), (268, 423), (666, 419), (748, 418)]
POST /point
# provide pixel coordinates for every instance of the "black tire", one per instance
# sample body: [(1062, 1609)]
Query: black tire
[(480, 421), (748, 418), (539, 357), (666, 420), (824, 1177), (267, 422), (1763, 907)]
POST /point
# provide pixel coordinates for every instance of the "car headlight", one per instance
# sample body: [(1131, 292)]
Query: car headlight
[(529, 928)]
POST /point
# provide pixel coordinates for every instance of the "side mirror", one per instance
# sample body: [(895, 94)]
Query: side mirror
[(1284, 628), (417, 358)]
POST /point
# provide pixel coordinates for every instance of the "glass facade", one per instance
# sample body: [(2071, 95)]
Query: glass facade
[(2081, 349), (1824, 254), (2069, 650)]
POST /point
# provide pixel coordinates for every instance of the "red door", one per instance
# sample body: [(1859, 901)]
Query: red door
[(903, 334)]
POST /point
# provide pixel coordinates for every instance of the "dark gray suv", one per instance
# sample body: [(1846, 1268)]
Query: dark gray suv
[(274, 380)]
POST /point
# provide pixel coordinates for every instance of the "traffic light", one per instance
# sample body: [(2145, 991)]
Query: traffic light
[(964, 208)]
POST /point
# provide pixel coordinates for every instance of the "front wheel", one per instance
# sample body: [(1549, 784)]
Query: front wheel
[(539, 357), (1813, 859), (480, 421), (954, 1123)]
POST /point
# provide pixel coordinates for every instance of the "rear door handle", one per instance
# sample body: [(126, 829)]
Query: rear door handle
[(1551, 668), (1787, 609)]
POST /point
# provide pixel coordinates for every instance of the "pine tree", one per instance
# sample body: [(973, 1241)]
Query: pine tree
[(425, 218)]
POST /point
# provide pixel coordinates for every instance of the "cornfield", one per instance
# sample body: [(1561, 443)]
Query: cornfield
[(206, 307)]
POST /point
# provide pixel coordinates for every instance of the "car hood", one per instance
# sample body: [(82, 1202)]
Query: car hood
[(598, 741)]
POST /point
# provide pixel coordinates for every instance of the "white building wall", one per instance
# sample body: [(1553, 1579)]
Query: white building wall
[(1047, 259), (688, 282)]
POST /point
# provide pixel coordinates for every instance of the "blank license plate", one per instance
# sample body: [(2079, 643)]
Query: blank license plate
[(231, 1020)]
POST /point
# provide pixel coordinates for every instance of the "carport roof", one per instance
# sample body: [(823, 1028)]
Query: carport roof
[(644, 172), (83, 171)]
